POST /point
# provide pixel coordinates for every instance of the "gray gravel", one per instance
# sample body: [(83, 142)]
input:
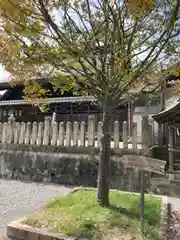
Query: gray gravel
[(174, 228), (19, 198)]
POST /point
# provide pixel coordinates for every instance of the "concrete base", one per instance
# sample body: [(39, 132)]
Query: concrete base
[(19, 231)]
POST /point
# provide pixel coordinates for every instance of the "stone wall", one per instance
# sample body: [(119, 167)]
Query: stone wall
[(62, 165)]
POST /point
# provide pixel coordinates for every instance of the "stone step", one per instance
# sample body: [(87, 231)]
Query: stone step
[(174, 176), (165, 186)]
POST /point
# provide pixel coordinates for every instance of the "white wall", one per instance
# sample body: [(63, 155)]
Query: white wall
[(171, 97), (137, 117)]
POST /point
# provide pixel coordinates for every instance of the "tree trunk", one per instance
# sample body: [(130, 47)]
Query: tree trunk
[(104, 162)]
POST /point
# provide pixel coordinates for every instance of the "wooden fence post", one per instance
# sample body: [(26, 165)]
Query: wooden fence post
[(40, 133), (54, 133), (46, 137), (22, 133), (134, 135), (150, 128), (27, 133), (34, 133), (1, 131), (116, 134), (53, 118), (91, 130), (17, 132), (61, 134), (82, 134), (171, 152), (11, 125), (4, 133), (145, 132), (68, 133), (99, 134), (125, 135), (75, 133)]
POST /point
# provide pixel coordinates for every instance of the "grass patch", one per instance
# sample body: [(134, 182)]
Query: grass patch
[(78, 214)]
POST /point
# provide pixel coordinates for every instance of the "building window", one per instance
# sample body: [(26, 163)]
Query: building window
[(10, 112)]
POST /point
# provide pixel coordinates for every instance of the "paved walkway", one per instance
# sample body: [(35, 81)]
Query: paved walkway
[(175, 203), (18, 199)]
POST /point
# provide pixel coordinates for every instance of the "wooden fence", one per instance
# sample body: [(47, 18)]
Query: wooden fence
[(50, 132)]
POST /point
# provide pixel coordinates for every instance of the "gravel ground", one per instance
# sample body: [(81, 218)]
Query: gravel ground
[(174, 228), (19, 198)]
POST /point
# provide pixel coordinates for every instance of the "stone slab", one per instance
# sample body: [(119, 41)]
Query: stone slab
[(16, 230)]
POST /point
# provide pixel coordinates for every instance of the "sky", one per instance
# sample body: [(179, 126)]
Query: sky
[(4, 75)]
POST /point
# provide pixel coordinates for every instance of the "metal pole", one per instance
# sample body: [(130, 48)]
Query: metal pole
[(171, 146), (142, 202)]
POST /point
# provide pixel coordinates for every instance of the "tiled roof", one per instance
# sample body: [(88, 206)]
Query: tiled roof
[(50, 100), (168, 113)]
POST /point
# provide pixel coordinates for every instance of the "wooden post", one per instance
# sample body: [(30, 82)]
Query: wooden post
[(68, 133), (34, 133), (75, 133), (142, 202), (1, 131), (4, 132), (171, 145), (22, 133), (54, 133), (82, 134), (91, 130), (53, 118), (17, 132), (150, 129), (11, 125), (40, 133), (99, 134), (116, 134), (145, 132), (165, 133), (130, 119), (125, 135), (160, 134), (46, 136), (134, 136), (27, 133), (61, 134)]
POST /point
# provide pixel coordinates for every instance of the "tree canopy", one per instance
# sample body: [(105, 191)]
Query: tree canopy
[(95, 44)]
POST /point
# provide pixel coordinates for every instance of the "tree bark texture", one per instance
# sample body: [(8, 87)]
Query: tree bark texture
[(104, 162)]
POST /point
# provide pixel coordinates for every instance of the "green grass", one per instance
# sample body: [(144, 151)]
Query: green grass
[(79, 214)]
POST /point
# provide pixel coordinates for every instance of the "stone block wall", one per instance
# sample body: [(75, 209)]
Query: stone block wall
[(70, 166)]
